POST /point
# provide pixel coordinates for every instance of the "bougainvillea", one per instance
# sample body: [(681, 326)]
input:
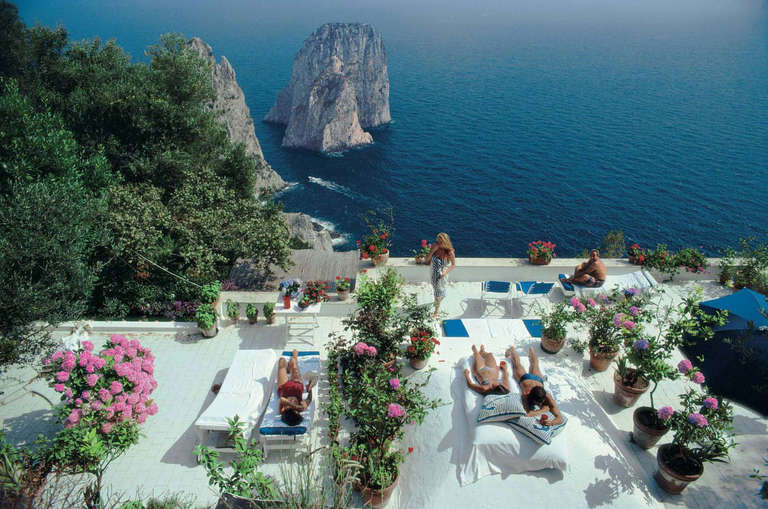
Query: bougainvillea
[(107, 389)]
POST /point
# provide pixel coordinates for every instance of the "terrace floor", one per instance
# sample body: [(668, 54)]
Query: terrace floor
[(619, 476)]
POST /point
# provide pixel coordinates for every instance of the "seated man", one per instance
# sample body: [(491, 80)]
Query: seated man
[(487, 372), (536, 401), (290, 388), (590, 273)]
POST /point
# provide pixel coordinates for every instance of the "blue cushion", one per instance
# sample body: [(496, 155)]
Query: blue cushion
[(533, 429), (454, 329), (500, 408), (287, 430), (534, 327), (567, 286), (300, 354), (497, 286), (525, 286), (541, 288)]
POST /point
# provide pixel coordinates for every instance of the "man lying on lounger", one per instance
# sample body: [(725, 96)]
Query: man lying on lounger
[(536, 400), (590, 273), (486, 370), (290, 388)]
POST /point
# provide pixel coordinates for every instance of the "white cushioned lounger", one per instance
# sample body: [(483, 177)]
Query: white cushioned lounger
[(245, 392), (639, 279)]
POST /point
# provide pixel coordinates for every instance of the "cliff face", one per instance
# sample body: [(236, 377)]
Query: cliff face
[(339, 85), (234, 114), (302, 227)]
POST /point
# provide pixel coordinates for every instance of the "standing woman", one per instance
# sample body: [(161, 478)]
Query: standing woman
[(443, 261)]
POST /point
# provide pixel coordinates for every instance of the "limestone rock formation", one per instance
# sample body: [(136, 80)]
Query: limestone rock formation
[(234, 114), (302, 227), (339, 86)]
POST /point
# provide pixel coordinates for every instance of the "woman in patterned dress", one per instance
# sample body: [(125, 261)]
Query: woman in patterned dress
[(443, 260)]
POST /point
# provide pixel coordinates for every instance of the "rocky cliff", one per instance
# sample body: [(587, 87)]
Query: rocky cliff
[(339, 86), (234, 114), (315, 236)]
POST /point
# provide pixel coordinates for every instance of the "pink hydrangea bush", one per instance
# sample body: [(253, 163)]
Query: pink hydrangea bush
[(107, 389)]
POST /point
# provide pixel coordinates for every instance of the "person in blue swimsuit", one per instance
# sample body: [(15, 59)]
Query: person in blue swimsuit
[(536, 400)]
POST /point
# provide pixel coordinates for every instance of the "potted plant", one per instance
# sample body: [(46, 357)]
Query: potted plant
[(379, 473), (206, 320), (210, 292), (342, 287), (702, 433), (375, 245), (674, 325), (553, 327), (315, 291), (606, 323), (269, 312), (636, 254), (419, 255), (305, 302), (233, 310), (252, 312), (662, 260), (291, 289), (692, 259), (421, 348), (541, 252)]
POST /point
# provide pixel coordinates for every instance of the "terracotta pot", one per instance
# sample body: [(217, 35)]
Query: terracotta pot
[(539, 261), (627, 396), (551, 345), (418, 363), (644, 434), (342, 294), (378, 498), (270, 319), (212, 331), (671, 481), (419, 260), (253, 320), (380, 260), (601, 360)]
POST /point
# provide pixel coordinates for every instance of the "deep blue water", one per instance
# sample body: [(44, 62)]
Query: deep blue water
[(512, 121)]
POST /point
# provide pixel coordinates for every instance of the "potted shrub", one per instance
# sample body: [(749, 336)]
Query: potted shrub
[(252, 312), (379, 473), (269, 312), (421, 348), (541, 252), (662, 260), (316, 291), (233, 310), (206, 320), (636, 254), (692, 259), (420, 255), (210, 293), (375, 245), (606, 323), (291, 289), (553, 327), (702, 433), (342, 287), (674, 325)]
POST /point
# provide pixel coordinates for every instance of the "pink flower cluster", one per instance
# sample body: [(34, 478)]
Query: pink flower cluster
[(362, 349), (395, 410), (665, 413), (710, 403), (698, 419), (577, 305), (684, 366), (634, 311), (394, 383), (108, 388), (620, 321)]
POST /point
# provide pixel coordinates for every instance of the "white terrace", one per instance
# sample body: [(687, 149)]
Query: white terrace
[(605, 468)]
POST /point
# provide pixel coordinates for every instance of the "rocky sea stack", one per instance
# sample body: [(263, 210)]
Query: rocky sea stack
[(339, 86), (235, 116)]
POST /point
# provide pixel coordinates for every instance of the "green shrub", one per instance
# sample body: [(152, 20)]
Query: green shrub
[(268, 309), (252, 312), (233, 310), (205, 316), (210, 293)]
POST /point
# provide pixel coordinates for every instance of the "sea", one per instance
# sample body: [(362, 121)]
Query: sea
[(512, 120)]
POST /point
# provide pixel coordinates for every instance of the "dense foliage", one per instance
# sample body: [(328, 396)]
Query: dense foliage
[(120, 193)]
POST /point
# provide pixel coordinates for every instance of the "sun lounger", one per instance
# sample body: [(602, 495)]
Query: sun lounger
[(245, 392), (497, 292), (530, 290), (638, 279), (273, 432)]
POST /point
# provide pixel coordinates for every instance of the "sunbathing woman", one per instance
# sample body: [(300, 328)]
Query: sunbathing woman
[(290, 388), (536, 400), (486, 370)]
